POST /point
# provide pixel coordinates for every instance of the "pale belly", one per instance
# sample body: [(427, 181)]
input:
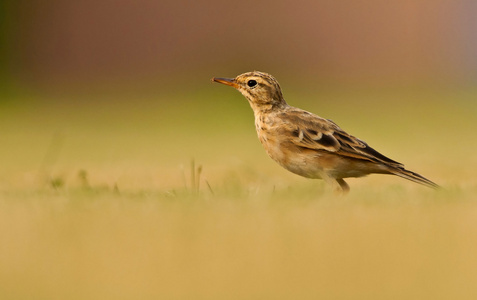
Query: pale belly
[(315, 164), (292, 158)]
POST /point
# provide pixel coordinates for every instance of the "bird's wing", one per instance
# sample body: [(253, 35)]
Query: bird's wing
[(312, 132)]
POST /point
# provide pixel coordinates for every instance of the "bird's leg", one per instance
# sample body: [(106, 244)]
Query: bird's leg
[(343, 185), (339, 186)]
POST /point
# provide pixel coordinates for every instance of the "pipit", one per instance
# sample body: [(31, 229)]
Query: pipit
[(306, 144)]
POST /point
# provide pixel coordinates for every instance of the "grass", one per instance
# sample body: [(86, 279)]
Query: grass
[(175, 199)]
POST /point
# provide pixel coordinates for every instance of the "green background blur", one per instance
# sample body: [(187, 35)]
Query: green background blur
[(122, 88)]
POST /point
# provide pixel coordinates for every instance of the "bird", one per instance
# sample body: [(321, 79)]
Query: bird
[(309, 145)]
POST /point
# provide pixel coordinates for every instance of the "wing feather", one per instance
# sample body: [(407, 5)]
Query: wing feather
[(312, 132)]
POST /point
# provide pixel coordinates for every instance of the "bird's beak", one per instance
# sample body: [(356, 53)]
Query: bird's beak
[(227, 81)]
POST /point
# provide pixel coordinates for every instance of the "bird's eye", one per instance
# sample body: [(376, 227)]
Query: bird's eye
[(251, 83)]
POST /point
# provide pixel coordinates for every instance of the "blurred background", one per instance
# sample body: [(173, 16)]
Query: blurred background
[(56, 43), (113, 86)]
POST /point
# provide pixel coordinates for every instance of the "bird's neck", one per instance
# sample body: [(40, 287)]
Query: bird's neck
[(266, 108)]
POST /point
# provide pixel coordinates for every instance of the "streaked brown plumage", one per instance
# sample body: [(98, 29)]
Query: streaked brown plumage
[(307, 144)]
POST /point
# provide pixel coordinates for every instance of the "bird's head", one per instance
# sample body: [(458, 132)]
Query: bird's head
[(261, 89)]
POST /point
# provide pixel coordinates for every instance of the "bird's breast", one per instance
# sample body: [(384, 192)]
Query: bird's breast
[(266, 131), (278, 145)]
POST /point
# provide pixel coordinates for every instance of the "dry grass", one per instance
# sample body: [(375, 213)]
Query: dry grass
[(112, 213)]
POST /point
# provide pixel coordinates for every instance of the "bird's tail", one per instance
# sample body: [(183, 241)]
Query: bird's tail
[(409, 175)]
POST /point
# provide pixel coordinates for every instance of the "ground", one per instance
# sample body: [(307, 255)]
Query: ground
[(170, 196)]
